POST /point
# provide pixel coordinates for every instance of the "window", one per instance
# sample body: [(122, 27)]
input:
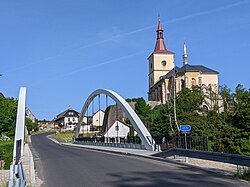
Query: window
[(164, 62), (71, 113), (200, 81), (68, 119), (73, 119), (151, 65), (183, 84), (193, 82)]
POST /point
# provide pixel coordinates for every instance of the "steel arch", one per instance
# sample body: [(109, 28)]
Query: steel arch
[(140, 128)]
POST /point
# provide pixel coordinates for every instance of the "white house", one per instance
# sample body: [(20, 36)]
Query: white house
[(67, 119), (97, 118), (117, 131)]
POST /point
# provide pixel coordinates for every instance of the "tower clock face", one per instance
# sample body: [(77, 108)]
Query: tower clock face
[(164, 62)]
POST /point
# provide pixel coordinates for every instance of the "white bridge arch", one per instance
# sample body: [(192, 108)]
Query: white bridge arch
[(140, 128)]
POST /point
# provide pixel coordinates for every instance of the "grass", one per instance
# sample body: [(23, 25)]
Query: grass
[(87, 134), (6, 152), (68, 135), (4, 185), (65, 136), (244, 175)]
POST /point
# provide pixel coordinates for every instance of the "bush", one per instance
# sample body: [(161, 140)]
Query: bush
[(6, 152)]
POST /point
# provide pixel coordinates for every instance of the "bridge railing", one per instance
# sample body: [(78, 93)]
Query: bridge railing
[(207, 155), (120, 145)]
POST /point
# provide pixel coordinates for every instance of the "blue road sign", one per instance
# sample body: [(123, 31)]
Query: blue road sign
[(185, 128)]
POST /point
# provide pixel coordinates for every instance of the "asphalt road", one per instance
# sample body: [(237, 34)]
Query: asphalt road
[(61, 166)]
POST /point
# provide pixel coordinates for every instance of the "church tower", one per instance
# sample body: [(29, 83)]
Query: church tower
[(161, 61)]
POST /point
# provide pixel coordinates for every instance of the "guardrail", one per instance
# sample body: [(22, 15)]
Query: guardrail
[(120, 145), (207, 155)]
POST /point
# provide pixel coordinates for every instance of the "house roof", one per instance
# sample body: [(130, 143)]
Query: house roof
[(1, 94), (65, 114)]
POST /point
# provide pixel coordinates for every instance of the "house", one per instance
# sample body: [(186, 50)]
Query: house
[(68, 119), (47, 125), (117, 132), (97, 119), (93, 123), (30, 115)]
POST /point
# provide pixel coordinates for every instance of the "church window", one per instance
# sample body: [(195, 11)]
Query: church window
[(164, 62), (193, 82), (183, 84), (200, 81), (151, 65)]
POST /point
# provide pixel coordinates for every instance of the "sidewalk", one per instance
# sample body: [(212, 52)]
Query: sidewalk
[(28, 165), (4, 177), (139, 152)]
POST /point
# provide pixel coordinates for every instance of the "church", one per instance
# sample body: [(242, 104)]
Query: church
[(163, 72)]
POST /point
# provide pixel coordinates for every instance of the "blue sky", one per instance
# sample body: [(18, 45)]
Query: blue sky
[(63, 50)]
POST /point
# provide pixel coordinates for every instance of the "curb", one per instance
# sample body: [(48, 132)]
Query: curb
[(32, 167)]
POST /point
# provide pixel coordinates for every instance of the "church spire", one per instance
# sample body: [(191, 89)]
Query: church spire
[(160, 46), (185, 55)]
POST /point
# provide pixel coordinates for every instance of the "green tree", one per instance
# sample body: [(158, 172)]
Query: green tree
[(31, 126), (8, 110), (241, 119)]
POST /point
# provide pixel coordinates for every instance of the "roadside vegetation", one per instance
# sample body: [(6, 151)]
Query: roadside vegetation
[(8, 110), (6, 152), (244, 175), (67, 136), (228, 131)]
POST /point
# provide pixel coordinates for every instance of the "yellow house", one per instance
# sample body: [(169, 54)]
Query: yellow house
[(163, 72)]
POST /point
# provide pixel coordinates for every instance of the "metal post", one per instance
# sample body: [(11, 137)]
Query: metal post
[(107, 100), (186, 158)]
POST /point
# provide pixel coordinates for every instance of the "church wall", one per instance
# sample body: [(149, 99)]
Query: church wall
[(210, 79), (157, 68)]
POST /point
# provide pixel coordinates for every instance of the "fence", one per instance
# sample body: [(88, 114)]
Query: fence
[(190, 142), (120, 145)]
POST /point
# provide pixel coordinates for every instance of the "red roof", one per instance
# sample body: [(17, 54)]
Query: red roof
[(160, 46)]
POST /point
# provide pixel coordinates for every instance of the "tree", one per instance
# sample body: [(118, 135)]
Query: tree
[(241, 119), (8, 111), (31, 126)]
